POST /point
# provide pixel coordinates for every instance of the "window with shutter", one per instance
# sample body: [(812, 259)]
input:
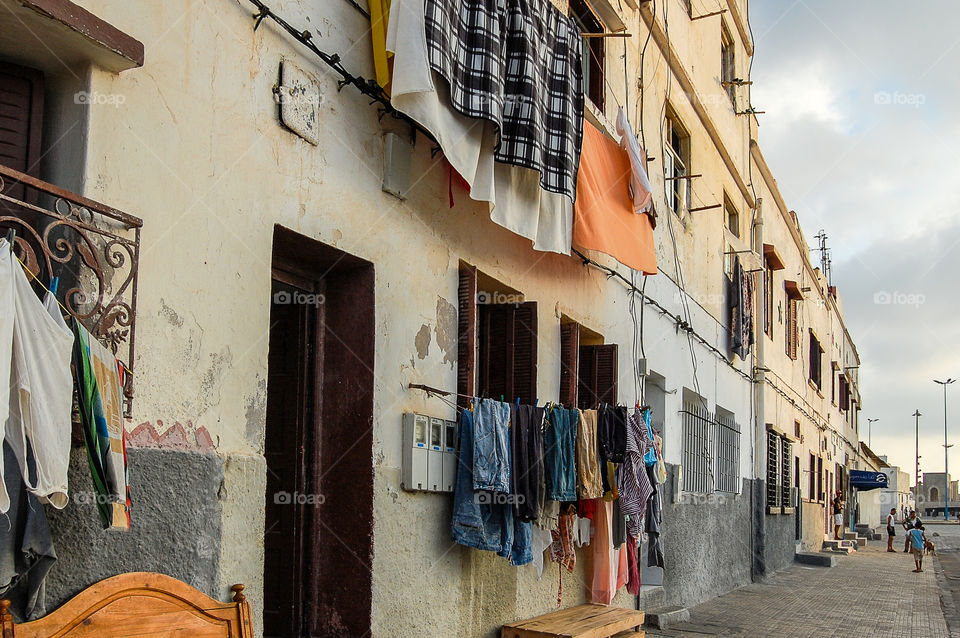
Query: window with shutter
[(21, 115), (466, 334), (792, 328), (597, 375), (508, 351), (569, 358)]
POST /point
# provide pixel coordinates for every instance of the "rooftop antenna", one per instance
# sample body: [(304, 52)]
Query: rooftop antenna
[(826, 258)]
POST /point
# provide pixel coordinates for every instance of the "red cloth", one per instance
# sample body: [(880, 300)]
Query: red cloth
[(604, 217), (633, 568), (587, 508)]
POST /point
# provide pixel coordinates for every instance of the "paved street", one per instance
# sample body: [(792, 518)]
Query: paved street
[(869, 593)]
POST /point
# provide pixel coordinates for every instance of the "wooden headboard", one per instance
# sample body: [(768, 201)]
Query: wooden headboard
[(135, 605)]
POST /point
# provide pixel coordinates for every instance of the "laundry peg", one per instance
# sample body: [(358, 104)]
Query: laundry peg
[(54, 284), (11, 237)]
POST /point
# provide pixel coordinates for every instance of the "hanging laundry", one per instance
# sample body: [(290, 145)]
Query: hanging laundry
[(654, 520), (526, 438), (37, 349), (604, 217), (100, 394), (648, 439), (740, 300), (541, 540), (562, 550), (26, 547), (611, 444), (516, 200), (491, 449), (607, 573), (479, 524), (618, 524), (633, 567), (560, 453), (517, 64), (635, 487), (661, 473), (379, 12), (589, 481), (641, 192)]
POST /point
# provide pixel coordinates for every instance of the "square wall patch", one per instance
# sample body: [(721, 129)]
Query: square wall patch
[(299, 98)]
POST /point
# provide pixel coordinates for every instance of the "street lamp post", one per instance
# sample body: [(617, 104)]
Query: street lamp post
[(946, 468), (916, 476), (870, 432)]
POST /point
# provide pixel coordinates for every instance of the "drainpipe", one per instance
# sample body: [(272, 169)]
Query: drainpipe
[(758, 376)]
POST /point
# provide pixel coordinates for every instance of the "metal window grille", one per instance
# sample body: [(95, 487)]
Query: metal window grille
[(698, 441), (774, 494), (786, 460), (728, 453)]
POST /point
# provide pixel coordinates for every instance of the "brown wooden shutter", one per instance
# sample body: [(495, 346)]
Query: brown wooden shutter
[(525, 352), (598, 375), (569, 357), (466, 334), (21, 119), (508, 351)]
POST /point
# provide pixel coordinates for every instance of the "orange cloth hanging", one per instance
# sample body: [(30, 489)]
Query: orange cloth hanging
[(604, 217)]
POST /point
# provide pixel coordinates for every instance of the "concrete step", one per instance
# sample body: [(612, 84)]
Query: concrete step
[(666, 617), (839, 545), (861, 541), (820, 560), (849, 536), (839, 550), (651, 597)]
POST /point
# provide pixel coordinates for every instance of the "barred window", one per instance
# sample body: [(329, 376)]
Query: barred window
[(779, 470), (711, 449), (728, 452), (698, 441)]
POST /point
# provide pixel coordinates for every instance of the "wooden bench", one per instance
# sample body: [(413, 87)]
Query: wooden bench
[(583, 621), (138, 604)]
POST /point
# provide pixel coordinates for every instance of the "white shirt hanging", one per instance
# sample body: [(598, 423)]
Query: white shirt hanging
[(41, 385)]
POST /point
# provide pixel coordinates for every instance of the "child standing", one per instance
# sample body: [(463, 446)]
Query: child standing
[(917, 542)]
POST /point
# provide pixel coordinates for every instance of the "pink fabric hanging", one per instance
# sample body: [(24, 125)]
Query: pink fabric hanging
[(606, 561)]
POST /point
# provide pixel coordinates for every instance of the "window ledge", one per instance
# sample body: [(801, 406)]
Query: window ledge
[(789, 510), (773, 510), (51, 34), (598, 119)]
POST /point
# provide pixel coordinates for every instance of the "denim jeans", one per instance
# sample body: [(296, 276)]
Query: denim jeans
[(479, 521), (559, 450), (491, 451)]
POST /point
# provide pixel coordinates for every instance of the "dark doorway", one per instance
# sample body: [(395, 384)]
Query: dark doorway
[(318, 447)]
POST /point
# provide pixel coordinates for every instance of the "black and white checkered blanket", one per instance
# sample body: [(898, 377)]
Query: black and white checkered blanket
[(516, 63)]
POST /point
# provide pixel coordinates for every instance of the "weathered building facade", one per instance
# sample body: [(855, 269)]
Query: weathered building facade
[(286, 301)]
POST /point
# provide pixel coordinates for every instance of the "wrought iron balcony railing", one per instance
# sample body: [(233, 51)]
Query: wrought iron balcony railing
[(93, 250)]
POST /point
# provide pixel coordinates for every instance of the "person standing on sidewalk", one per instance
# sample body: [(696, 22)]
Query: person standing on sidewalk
[(891, 531), (908, 524), (837, 514), (918, 542)]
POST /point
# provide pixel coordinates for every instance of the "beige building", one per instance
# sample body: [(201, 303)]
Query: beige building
[(302, 262)]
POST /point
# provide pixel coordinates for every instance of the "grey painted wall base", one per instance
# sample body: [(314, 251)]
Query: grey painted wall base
[(176, 526), (714, 543)]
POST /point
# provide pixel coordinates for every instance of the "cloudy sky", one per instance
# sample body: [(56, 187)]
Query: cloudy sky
[(862, 132)]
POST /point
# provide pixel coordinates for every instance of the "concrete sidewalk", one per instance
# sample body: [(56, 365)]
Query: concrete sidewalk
[(868, 593)]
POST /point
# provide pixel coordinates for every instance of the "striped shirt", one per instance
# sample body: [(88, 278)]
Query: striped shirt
[(635, 488)]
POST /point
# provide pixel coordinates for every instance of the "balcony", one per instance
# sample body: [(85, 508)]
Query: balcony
[(91, 248)]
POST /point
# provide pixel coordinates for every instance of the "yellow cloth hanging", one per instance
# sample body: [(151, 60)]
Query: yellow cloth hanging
[(382, 60)]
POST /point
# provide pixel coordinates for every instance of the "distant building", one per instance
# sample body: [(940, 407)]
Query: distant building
[(930, 494), (897, 494)]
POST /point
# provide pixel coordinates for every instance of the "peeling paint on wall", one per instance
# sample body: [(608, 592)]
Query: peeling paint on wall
[(446, 330), (422, 342), (256, 413), (168, 313)]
